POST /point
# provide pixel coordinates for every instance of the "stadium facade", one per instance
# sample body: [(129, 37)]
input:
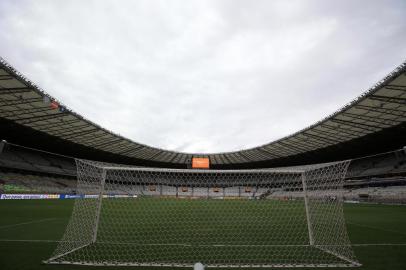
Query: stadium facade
[(372, 123)]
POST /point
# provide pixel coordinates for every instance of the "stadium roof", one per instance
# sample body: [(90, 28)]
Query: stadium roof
[(380, 108)]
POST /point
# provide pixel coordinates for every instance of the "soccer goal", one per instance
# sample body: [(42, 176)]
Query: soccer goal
[(283, 217)]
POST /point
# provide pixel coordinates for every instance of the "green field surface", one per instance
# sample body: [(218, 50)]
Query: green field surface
[(30, 229)]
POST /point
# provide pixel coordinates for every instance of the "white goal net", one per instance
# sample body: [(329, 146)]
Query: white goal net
[(283, 217)]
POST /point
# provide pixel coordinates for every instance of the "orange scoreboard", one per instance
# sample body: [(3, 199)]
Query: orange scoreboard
[(200, 163)]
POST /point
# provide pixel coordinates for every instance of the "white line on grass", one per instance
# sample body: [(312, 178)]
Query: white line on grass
[(379, 244), (189, 245), (29, 240), (25, 223)]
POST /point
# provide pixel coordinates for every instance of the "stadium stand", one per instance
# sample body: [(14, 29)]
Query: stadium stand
[(17, 182), (388, 194), (26, 159), (379, 178), (26, 170), (389, 163), (377, 170)]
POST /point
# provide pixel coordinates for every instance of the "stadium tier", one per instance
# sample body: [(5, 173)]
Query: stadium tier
[(19, 158), (18, 182), (26, 170), (33, 161)]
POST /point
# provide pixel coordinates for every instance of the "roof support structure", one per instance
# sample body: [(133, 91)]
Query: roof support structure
[(394, 112), (361, 126), (33, 119), (14, 102), (395, 100), (16, 90)]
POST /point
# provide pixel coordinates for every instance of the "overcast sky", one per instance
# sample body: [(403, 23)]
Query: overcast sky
[(204, 76)]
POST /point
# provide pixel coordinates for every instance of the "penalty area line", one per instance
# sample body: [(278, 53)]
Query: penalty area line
[(27, 222), (188, 245), (379, 244), (30, 240)]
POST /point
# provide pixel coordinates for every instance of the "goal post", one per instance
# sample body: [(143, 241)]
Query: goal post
[(306, 204), (282, 217)]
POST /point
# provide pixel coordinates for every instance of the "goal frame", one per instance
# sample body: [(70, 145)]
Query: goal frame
[(302, 170)]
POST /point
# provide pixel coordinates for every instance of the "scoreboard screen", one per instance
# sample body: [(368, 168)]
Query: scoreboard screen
[(200, 163)]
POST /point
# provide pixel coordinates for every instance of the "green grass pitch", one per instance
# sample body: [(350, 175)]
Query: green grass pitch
[(172, 231), (29, 230)]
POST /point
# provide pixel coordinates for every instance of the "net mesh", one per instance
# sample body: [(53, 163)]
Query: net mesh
[(286, 217)]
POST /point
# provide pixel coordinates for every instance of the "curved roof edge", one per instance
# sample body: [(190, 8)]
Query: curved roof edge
[(393, 74), (380, 107)]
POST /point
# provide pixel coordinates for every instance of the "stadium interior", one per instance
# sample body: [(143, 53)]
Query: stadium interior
[(42, 137)]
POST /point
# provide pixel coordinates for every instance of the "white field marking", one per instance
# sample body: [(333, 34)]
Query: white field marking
[(189, 245), (196, 245), (158, 244), (30, 240), (379, 244), (25, 223), (376, 228), (219, 245)]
